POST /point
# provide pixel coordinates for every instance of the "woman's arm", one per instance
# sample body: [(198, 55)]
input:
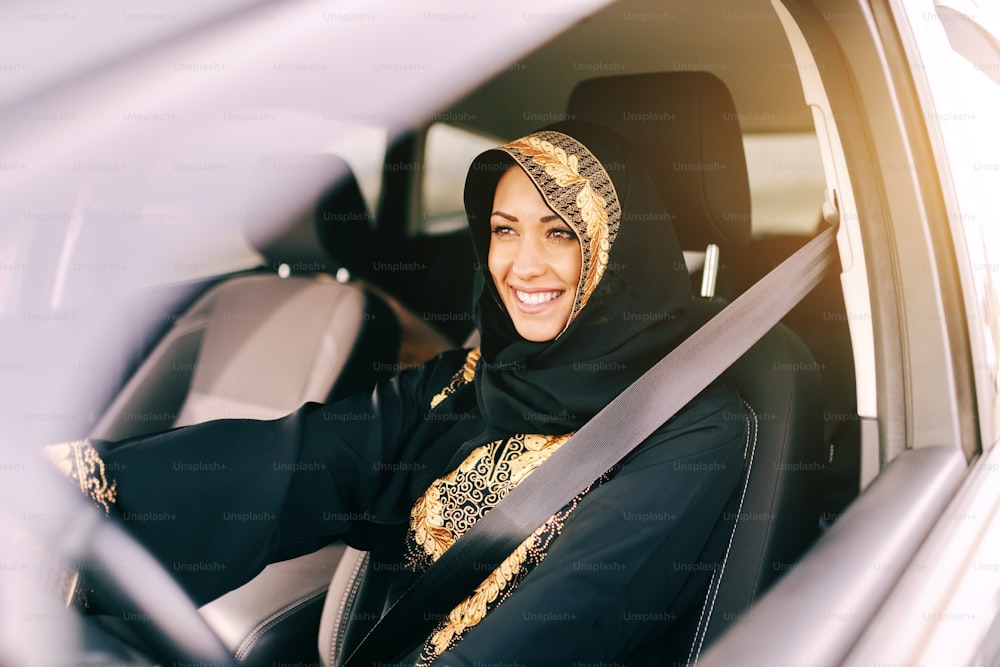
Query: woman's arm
[(216, 502)]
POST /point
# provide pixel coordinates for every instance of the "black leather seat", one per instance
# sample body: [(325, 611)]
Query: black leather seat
[(259, 345), (773, 515), (684, 127)]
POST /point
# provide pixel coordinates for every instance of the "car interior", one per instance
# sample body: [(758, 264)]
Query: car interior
[(373, 274), (355, 319)]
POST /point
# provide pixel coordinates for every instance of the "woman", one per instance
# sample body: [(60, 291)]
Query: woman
[(581, 288)]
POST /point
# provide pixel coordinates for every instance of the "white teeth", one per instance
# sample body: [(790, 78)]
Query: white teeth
[(535, 298)]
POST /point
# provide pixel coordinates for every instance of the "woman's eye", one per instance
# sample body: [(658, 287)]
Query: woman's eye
[(562, 234), (502, 230)]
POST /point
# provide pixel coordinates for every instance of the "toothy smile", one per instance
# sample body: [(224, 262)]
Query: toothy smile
[(536, 298)]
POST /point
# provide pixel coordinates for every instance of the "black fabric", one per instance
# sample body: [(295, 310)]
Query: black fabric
[(215, 502), (486, 544), (219, 500), (373, 357), (634, 317)]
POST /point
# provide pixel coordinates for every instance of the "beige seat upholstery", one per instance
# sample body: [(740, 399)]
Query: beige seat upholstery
[(254, 347), (342, 616), (273, 618)]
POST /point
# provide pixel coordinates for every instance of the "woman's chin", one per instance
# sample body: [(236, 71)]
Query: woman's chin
[(538, 332)]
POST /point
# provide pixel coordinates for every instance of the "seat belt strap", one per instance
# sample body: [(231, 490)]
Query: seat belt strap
[(595, 448)]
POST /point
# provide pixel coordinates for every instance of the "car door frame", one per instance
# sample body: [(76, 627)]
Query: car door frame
[(841, 603)]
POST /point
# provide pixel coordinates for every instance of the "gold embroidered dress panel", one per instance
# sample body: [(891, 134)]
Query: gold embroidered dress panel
[(453, 504)]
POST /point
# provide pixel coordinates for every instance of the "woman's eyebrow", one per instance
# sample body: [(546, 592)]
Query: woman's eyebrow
[(508, 216)]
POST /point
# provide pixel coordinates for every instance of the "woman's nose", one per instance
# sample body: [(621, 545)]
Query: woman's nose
[(530, 260)]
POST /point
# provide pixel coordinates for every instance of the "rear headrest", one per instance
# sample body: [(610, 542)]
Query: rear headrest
[(685, 127), (307, 212)]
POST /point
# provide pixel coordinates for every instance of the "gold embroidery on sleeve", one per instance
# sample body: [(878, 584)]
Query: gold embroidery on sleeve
[(79, 461), (462, 377)]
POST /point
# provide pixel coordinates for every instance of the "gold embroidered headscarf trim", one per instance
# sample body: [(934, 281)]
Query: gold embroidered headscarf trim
[(575, 186), (79, 461), (466, 375)]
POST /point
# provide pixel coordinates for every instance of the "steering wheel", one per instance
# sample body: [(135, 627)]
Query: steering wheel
[(128, 579)]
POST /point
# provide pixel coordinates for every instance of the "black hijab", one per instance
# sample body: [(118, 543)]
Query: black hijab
[(632, 298)]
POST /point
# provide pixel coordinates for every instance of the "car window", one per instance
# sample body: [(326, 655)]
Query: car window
[(113, 32), (363, 147), (448, 152), (786, 182), (960, 52)]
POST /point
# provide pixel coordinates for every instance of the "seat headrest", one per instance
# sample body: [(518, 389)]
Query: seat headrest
[(684, 126), (308, 212)]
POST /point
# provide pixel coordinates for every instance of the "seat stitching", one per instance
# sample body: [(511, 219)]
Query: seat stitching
[(701, 617), (702, 631), (347, 599), (272, 620)]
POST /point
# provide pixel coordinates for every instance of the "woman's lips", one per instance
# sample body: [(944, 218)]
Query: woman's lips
[(536, 300)]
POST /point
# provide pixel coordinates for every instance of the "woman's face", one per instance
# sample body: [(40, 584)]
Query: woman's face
[(534, 259)]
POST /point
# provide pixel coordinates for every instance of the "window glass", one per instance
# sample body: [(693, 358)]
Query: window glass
[(958, 47), (988, 652), (448, 152), (786, 183), (363, 147)]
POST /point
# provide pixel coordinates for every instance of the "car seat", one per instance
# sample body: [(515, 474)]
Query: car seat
[(700, 170), (686, 128), (701, 176), (260, 344)]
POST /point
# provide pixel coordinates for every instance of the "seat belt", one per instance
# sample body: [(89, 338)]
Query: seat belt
[(595, 448)]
